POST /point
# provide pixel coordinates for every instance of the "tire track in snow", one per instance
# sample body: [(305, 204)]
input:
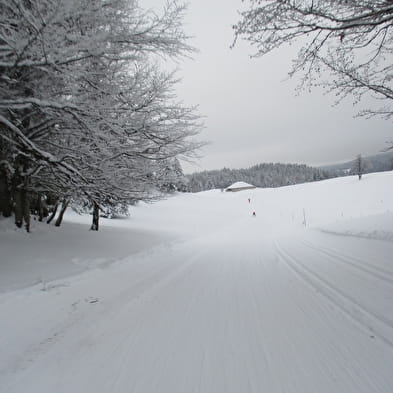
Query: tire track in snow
[(378, 325), (359, 264)]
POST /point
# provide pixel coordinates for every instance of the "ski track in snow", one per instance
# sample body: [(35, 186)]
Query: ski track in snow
[(377, 324), (216, 320), (359, 264)]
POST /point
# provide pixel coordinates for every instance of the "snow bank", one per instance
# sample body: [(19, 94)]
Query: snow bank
[(377, 227), (48, 253)]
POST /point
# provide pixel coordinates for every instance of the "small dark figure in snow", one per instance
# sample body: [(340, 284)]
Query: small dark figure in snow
[(253, 214), (249, 200)]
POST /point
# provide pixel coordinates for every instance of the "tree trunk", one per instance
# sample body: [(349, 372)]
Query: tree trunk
[(62, 211), (40, 208), (53, 214), (21, 196), (26, 210), (18, 208), (96, 217), (22, 209), (5, 197)]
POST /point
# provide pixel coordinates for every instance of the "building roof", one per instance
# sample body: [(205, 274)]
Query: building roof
[(240, 184)]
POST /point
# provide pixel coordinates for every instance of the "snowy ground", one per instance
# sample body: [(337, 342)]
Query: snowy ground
[(193, 294)]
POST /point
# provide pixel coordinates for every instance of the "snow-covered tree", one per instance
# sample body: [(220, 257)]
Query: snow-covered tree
[(346, 45), (84, 112), (358, 166)]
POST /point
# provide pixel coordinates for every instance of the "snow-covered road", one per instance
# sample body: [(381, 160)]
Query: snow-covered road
[(221, 313), (236, 304)]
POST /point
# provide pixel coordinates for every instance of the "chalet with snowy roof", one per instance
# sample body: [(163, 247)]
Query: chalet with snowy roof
[(239, 186)]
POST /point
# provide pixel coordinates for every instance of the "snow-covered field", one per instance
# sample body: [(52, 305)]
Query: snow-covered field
[(194, 294)]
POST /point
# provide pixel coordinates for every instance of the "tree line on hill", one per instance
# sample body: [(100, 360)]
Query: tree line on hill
[(86, 114), (278, 175), (368, 164), (261, 175)]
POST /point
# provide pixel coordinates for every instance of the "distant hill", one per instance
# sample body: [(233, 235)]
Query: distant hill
[(261, 175), (277, 174), (377, 163)]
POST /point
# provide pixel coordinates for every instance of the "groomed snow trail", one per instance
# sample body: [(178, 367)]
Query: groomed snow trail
[(240, 310)]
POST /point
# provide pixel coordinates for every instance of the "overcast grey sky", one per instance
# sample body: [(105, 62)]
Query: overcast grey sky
[(252, 112)]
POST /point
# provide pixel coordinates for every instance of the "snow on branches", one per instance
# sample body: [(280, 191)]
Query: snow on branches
[(84, 110), (346, 44)]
